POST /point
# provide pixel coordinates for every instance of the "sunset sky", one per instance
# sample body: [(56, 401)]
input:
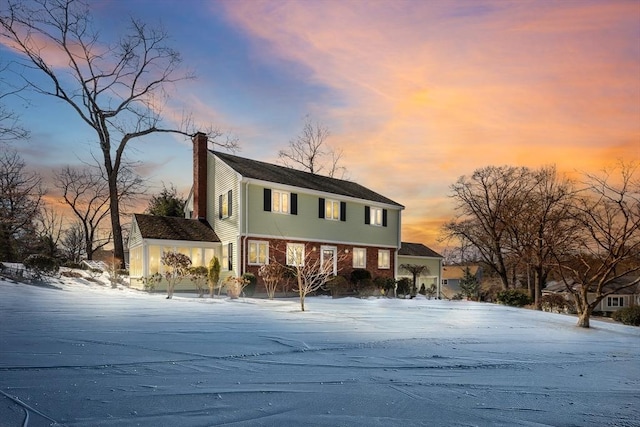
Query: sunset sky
[(415, 93)]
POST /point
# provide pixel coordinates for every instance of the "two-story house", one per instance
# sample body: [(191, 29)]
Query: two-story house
[(257, 212)]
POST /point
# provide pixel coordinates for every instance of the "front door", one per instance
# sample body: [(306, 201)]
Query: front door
[(328, 257)]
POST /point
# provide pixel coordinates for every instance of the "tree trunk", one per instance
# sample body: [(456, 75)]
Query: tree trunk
[(583, 318), (302, 302), (114, 206)]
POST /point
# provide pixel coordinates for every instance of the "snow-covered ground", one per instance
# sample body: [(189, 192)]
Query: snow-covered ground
[(89, 355)]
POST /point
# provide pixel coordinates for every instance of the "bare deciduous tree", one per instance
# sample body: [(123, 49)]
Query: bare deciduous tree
[(310, 269), (86, 191), (486, 204), (20, 201), (605, 255), (10, 127), (49, 229), (310, 152), (73, 242), (117, 89)]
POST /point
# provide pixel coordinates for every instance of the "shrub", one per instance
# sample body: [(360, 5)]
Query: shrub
[(235, 286), (198, 276), (72, 274), (149, 283), (513, 297), (271, 274), (360, 278), (385, 284), (214, 274), (41, 265), (337, 285), (250, 287), (554, 303), (628, 315), (367, 291), (431, 291), (403, 286)]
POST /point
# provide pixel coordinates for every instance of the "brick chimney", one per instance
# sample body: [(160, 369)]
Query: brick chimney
[(199, 176)]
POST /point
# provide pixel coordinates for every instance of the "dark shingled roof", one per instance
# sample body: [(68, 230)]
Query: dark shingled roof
[(171, 228), (417, 249), (255, 169)]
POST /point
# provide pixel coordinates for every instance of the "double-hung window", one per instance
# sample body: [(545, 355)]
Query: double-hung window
[(384, 258), (295, 254), (280, 201), (359, 258), (225, 204), (258, 253), (375, 216)]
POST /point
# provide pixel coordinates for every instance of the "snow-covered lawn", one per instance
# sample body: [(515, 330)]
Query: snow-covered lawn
[(89, 355)]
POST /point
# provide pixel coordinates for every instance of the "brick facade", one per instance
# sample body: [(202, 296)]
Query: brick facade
[(277, 253)]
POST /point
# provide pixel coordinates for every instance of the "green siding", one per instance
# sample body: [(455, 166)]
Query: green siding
[(220, 179), (307, 225)]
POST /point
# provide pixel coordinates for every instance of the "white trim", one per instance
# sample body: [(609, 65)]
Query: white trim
[(334, 242)]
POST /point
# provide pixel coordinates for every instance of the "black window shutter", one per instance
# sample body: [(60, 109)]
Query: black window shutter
[(294, 204), (230, 249), (230, 202), (367, 215), (220, 206), (384, 217), (320, 207), (343, 211), (267, 200)]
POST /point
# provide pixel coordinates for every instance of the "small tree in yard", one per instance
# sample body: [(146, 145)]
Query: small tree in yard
[(272, 274), (198, 276), (403, 286), (177, 268), (311, 274), (213, 275), (431, 291), (469, 285)]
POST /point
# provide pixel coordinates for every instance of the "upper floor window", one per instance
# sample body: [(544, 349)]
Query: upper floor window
[(225, 204), (375, 216), (258, 253), (384, 258), (280, 201), (295, 254), (359, 258), (332, 209)]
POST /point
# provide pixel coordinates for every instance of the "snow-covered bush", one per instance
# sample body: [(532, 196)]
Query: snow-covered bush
[(513, 297), (628, 315)]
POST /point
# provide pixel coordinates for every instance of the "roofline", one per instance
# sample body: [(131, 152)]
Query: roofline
[(316, 192)]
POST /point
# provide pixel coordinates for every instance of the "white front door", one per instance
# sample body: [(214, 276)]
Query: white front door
[(328, 254)]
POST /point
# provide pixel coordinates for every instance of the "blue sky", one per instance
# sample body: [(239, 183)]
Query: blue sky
[(415, 93)]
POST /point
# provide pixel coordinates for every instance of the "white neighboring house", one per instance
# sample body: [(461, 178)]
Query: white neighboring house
[(621, 298)]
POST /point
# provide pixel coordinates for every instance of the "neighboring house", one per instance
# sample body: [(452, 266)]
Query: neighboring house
[(452, 276), (626, 297), (419, 254), (263, 212), (152, 235)]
